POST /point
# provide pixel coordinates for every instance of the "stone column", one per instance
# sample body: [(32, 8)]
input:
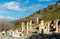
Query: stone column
[(48, 27), (42, 23), (37, 20), (57, 27), (27, 27), (23, 26), (39, 28), (30, 22), (30, 25)]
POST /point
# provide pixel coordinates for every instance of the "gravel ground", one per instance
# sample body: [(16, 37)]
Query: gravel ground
[(7, 37)]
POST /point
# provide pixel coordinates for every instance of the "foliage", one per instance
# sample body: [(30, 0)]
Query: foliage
[(50, 13)]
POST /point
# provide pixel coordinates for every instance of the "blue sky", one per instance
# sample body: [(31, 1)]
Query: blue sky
[(15, 9)]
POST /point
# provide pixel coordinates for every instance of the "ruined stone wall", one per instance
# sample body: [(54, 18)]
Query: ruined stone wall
[(47, 26)]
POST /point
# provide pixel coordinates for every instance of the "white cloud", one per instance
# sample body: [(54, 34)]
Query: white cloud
[(43, 0), (18, 6), (12, 6), (8, 17), (34, 7)]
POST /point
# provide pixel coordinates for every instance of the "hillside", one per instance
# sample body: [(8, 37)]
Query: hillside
[(50, 13)]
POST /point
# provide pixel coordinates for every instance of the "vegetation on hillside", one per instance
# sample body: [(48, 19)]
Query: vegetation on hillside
[(4, 25), (50, 13)]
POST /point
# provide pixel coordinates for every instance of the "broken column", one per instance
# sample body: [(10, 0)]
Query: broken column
[(42, 23), (41, 26), (30, 22)]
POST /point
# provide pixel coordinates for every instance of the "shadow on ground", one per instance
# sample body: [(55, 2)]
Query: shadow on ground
[(45, 36)]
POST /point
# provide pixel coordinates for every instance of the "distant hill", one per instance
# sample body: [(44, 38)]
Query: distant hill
[(50, 13)]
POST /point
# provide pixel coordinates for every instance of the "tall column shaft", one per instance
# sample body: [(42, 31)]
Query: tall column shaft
[(30, 25), (56, 26), (48, 27), (23, 26), (27, 28), (37, 20), (39, 28)]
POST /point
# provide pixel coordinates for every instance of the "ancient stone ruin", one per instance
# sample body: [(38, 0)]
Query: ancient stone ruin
[(46, 27)]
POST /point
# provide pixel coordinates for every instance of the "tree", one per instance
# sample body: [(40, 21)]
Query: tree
[(4, 26)]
